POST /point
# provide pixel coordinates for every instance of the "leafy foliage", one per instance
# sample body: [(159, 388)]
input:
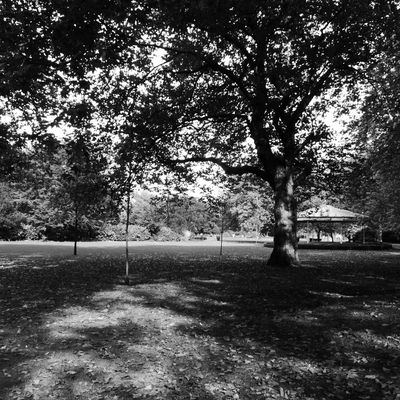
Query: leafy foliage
[(11, 217), (165, 234), (378, 165), (55, 184), (242, 85), (252, 206), (116, 232)]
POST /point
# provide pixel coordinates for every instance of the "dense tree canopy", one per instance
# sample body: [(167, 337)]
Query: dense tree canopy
[(377, 167), (240, 84), (246, 81)]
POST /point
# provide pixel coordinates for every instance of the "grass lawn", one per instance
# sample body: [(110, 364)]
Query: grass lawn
[(192, 326)]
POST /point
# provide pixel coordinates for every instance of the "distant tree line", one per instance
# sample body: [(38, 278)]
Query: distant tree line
[(67, 190)]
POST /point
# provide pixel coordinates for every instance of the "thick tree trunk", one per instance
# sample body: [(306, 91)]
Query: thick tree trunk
[(284, 253)]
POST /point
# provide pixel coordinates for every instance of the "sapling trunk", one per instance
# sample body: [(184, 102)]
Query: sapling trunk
[(76, 232), (222, 232), (128, 213)]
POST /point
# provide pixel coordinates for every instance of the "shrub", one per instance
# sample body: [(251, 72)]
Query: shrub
[(31, 232), (11, 225), (186, 234), (117, 232), (166, 234), (154, 228), (137, 232), (110, 232), (391, 236), (369, 235)]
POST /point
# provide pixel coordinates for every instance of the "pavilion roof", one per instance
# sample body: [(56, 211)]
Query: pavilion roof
[(326, 213)]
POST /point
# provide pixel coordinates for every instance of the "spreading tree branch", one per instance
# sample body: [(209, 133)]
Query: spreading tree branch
[(229, 169), (209, 63)]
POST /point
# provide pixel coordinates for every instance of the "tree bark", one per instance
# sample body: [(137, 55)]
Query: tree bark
[(222, 230), (284, 253), (76, 232), (128, 214), (76, 212)]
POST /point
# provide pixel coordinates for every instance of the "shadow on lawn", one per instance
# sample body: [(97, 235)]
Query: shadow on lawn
[(332, 331), (30, 289), (58, 340), (241, 329)]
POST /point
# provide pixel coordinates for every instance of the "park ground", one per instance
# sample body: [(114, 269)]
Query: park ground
[(193, 325)]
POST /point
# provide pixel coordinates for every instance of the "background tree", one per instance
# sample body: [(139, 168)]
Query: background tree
[(82, 195), (252, 205), (374, 180), (11, 216), (126, 176)]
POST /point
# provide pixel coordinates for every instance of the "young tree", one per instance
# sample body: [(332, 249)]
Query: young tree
[(11, 216), (81, 194), (253, 207), (126, 176), (12, 156)]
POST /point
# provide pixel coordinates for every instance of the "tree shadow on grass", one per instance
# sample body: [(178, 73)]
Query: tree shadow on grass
[(69, 332), (200, 328), (331, 332), (33, 287)]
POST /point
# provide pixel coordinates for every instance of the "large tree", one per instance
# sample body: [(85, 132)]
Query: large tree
[(243, 84), (246, 82)]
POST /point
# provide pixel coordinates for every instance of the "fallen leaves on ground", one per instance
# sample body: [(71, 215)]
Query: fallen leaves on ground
[(193, 327)]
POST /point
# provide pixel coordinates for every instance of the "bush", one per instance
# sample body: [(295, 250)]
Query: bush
[(59, 233), (166, 234), (391, 237), (31, 232), (369, 235), (187, 235), (109, 232), (11, 225), (137, 232), (117, 232), (154, 228)]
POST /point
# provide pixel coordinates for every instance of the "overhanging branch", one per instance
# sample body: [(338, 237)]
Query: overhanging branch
[(229, 169), (209, 63), (313, 91)]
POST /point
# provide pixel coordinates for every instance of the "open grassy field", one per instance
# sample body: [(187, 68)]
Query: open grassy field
[(194, 326)]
